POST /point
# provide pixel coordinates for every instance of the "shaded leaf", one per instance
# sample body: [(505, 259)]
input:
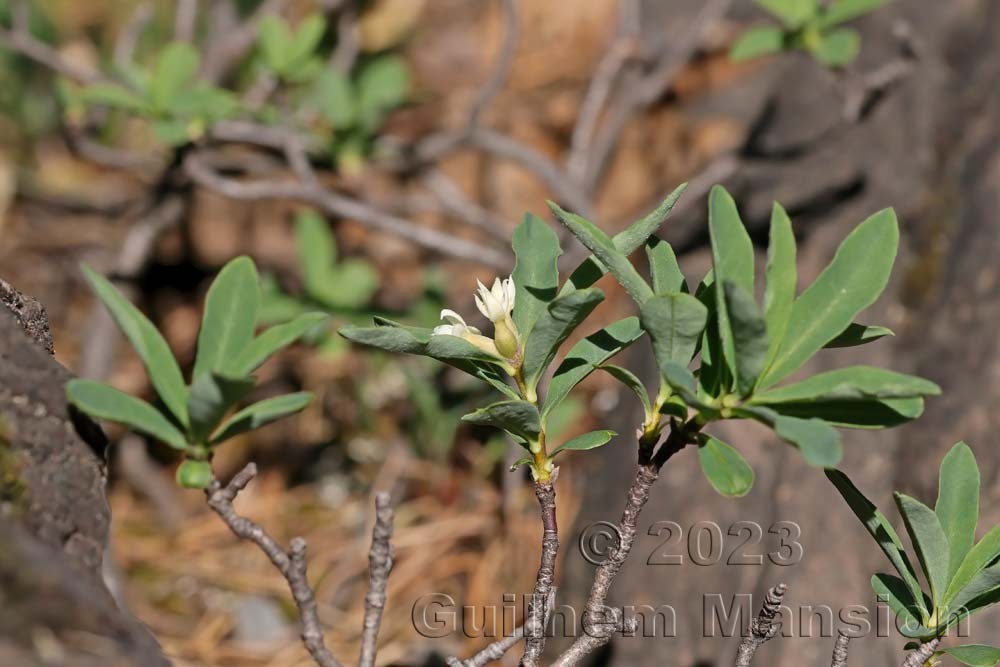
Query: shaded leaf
[(629, 379), (273, 340), (591, 440), (104, 402), (749, 335), (840, 11), (726, 469), (588, 354), (859, 334), (317, 252), (975, 655), (854, 413), (732, 261), (979, 557), (663, 267), (211, 397), (779, 292), (559, 319), (893, 591), (536, 274), (674, 323), (818, 441), (392, 337), (152, 349), (793, 13), (260, 413), (230, 316), (174, 69), (852, 382), (852, 281), (519, 418), (757, 41), (307, 36), (275, 39), (838, 47), (880, 529)]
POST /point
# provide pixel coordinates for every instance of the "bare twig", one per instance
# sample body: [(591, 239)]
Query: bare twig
[(499, 648), (502, 67), (450, 198), (24, 43), (291, 564), (840, 650), (345, 54), (128, 37), (534, 626), (762, 628), (185, 17), (380, 558), (918, 656), (230, 48), (339, 205)]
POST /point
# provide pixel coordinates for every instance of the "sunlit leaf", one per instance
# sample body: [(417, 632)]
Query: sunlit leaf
[(104, 402)]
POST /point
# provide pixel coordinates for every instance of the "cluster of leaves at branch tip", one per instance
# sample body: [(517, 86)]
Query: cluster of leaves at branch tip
[(807, 25), (962, 575), (343, 110), (742, 350), (195, 418)]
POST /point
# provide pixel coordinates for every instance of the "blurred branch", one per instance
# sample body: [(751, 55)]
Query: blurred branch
[(380, 559), (450, 198), (501, 69), (227, 50), (185, 18), (762, 628), (345, 54), (128, 38), (20, 40), (339, 205)]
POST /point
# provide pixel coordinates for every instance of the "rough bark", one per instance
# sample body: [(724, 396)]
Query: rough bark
[(54, 608)]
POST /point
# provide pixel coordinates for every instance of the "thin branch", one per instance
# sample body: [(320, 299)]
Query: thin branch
[(291, 564), (450, 198), (918, 656), (840, 650), (185, 18), (24, 43), (345, 54), (380, 558), (762, 628), (339, 205), (128, 37), (534, 626), (230, 48), (504, 61)]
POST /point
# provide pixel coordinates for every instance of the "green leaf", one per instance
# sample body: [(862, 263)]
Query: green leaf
[(726, 469), (317, 251), (975, 562), (599, 243), (114, 95), (855, 413), (852, 281), (975, 655), (779, 293), (353, 282), (732, 261), (535, 275), (880, 529), (749, 335), (587, 355), (957, 506), (271, 341), (629, 379), (518, 418), (173, 132), (969, 598), (382, 85), (674, 323), (859, 334), (393, 337), (553, 327), (893, 591), (841, 11), (758, 41), (838, 47), (818, 441), (681, 380), (850, 383), (194, 474), (275, 39), (793, 13), (591, 440), (152, 349), (211, 397), (929, 540), (230, 316), (626, 242), (336, 99), (174, 69), (663, 267), (104, 402), (306, 39), (261, 413)]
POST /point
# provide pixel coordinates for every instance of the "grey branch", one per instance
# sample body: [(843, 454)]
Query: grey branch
[(380, 558), (21, 41), (499, 648), (128, 38), (185, 18), (291, 563), (340, 205), (921, 654), (840, 650), (504, 61), (534, 626), (762, 628)]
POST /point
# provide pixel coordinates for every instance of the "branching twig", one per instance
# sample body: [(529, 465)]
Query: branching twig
[(380, 559), (504, 60), (24, 43), (921, 654), (534, 625), (762, 628), (840, 650), (128, 38)]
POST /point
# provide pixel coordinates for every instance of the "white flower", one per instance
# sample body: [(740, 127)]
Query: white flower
[(496, 303), (456, 325)]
